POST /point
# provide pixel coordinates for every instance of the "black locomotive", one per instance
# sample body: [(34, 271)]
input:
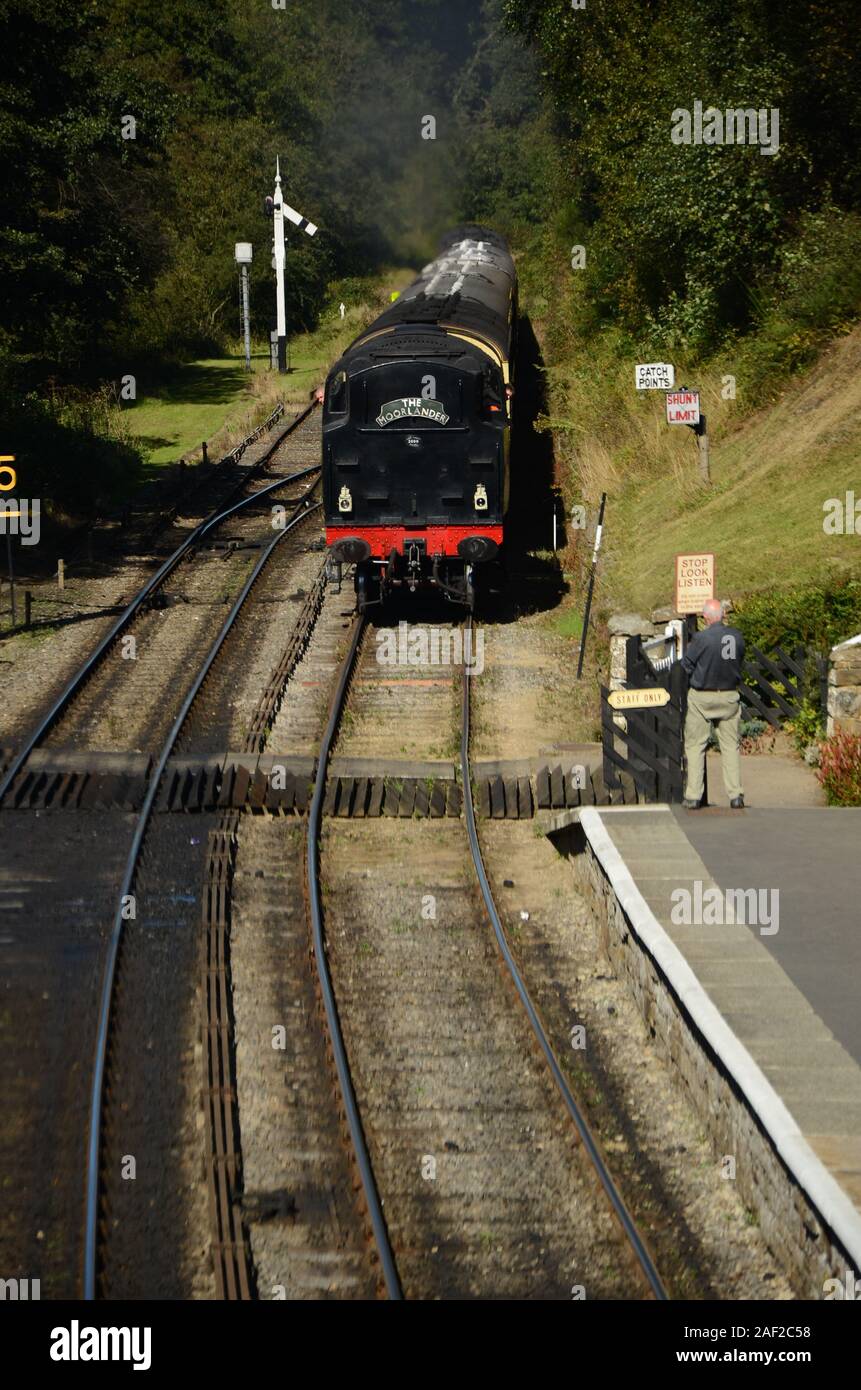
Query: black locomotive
[(417, 424)]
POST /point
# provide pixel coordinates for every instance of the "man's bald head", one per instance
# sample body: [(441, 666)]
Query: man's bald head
[(712, 610)]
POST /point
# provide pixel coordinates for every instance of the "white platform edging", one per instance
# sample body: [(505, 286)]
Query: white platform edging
[(824, 1191)]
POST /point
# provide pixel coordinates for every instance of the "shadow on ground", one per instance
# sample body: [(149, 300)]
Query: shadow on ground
[(534, 582)]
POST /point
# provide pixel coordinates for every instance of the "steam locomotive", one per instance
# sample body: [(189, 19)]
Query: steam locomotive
[(417, 425)]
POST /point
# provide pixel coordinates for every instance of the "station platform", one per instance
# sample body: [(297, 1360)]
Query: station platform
[(770, 984)]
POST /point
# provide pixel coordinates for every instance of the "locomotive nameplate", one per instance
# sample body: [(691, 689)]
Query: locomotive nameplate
[(413, 407)]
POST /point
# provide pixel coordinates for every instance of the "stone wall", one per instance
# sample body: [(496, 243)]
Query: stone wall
[(793, 1230), (622, 626), (844, 688)]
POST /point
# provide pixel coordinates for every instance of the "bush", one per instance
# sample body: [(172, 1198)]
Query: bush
[(73, 451), (808, 725), (751, 728), (817, 615), (814, 294), (840, 769)]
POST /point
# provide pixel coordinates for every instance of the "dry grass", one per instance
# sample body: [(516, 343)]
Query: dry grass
[(772, 470)]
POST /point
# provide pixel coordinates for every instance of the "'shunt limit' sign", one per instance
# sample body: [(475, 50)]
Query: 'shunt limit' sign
[(683, 407), (654, 376), (695, 581)]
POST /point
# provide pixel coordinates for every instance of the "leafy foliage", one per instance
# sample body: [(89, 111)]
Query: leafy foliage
[(677, 233), (839, 769), (808, 726), (817, 615), (78, 231)]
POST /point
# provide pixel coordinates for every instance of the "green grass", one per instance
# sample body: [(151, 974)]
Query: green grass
[(566, 622), (216, 400), (194, 404), (775, 460)]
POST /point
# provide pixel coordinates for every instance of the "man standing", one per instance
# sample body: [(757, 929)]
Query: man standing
[(712, 663)]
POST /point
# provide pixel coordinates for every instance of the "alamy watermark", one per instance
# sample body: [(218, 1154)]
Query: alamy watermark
[(433, 646), (699, 906), (19, 516), (842, 515), (77, 1343), (735, 126), (839, 1290)]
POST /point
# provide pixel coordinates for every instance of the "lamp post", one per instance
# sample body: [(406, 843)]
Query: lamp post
[(278, 209), (242, 255)]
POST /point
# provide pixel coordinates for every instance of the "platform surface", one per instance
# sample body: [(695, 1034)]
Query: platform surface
[(813, 858), (789, 997)]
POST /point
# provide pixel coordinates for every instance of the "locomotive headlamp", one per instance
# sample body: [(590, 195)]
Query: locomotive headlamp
[(352, 550), (480, 498), (474, 549), (345, 500)]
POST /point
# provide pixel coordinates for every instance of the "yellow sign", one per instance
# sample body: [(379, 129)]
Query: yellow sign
[(7, 472), (695, 581), (638, 699)]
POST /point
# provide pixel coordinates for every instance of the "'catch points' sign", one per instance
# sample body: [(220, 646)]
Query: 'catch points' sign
[(655, 376), (683, 407), (638, 699), (695, 581)]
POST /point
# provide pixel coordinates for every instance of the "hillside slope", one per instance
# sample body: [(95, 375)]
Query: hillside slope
[(772, 470)]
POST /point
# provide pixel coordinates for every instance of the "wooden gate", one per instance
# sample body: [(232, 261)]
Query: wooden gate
[(773, 686), (647, 744)]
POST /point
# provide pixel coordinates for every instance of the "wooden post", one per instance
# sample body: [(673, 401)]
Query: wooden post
[(205, 455), (28, 608), (61, 575), (703, 446)]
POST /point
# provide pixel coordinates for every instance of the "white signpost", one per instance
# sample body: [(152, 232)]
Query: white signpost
[(280, 210), (654, 376), (242, 256), (683, 407)]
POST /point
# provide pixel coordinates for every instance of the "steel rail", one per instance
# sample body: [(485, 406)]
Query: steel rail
[(312, 868), (643, 1257), (165, 570), (97, 1093)]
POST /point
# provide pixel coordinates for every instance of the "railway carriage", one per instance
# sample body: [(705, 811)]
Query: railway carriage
[(416, 429)]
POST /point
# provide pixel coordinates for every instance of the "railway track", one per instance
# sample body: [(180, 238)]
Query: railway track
[(323, 1224), (116, 847), (149, 595), (448, 1243), (126, 896)]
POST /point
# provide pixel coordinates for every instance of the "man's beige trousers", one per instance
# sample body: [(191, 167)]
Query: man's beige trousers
[(722, 709)]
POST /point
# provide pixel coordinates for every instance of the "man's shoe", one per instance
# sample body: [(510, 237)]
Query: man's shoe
[(737, 803), (691, 805)]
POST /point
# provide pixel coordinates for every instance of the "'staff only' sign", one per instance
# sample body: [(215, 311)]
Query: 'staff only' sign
[(683, 407), (638, 699), (695, 581), (654, 376)]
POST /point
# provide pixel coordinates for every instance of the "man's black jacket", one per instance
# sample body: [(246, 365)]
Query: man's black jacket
[(713, 659)]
